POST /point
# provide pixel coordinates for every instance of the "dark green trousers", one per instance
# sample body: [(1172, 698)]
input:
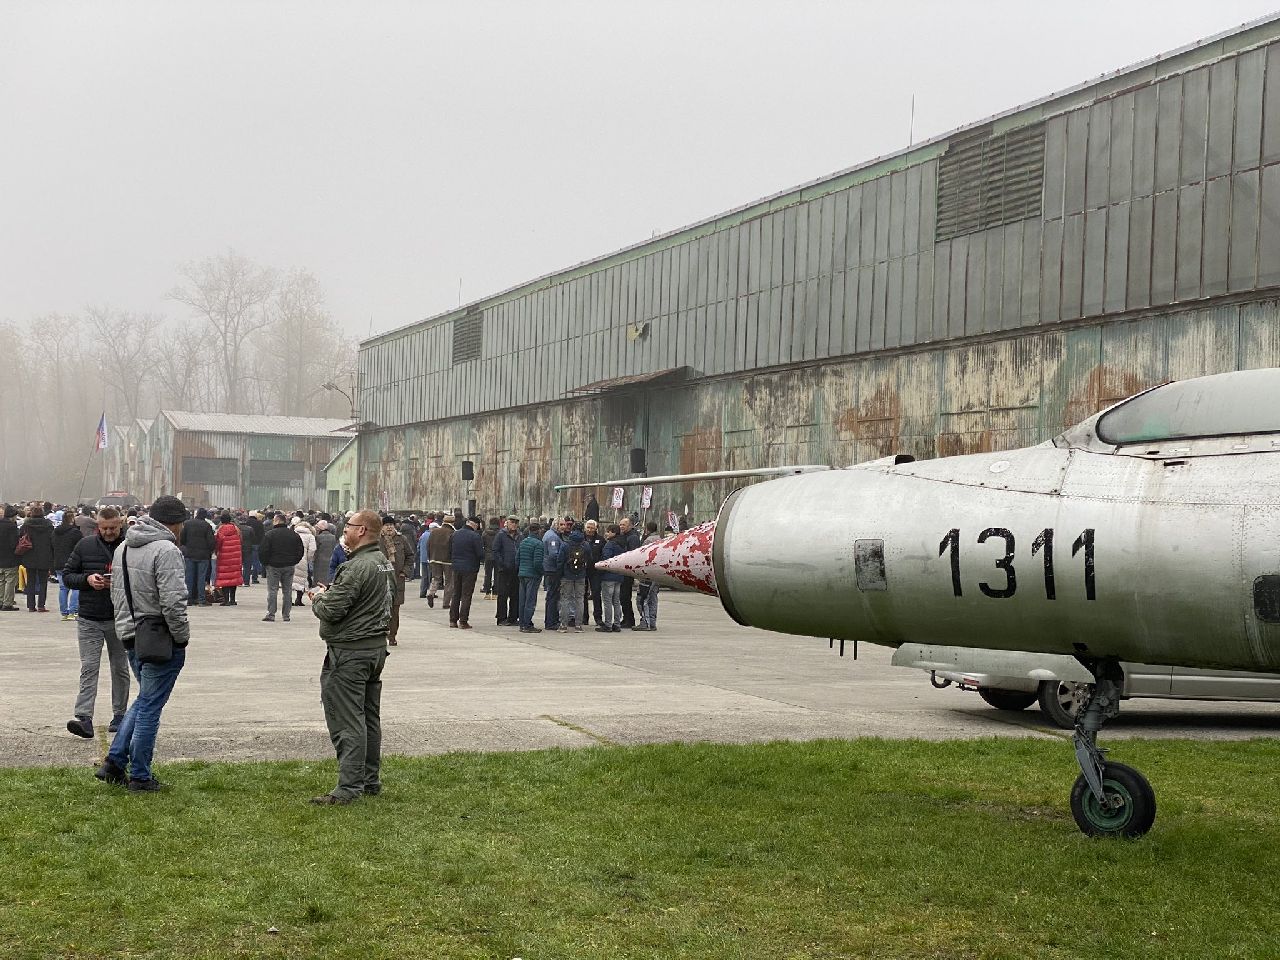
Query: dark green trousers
[(351, 691)]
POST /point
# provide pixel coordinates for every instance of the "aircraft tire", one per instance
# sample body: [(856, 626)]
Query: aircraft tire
[(1007, 699), (1131, 821), (1061, 701)]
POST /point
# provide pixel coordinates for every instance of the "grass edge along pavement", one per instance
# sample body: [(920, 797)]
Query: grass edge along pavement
[(818, 849)]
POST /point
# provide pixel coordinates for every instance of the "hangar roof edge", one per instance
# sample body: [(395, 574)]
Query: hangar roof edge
[(1189, 56)]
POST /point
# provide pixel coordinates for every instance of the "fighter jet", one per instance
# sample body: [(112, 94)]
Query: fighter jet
[(1149, 532)]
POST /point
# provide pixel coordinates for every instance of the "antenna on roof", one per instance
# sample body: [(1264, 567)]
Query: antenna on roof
[(911, 127)]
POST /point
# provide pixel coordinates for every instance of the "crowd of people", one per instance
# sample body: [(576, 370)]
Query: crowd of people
[(523, 560), (354, 567)]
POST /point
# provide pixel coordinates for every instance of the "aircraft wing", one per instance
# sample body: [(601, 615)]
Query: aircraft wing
[(694, 477)]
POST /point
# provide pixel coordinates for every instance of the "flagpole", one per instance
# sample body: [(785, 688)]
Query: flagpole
[(85, 475), (99, 443)]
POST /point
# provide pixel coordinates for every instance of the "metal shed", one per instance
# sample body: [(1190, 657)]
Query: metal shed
[(230, 460)]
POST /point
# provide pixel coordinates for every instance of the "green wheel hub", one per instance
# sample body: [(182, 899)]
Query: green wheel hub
[(1134, 804), (1115, 819)]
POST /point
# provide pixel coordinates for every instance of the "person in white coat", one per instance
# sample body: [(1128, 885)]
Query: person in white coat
[(302, 572)]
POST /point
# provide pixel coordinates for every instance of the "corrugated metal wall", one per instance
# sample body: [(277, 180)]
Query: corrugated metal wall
[(160, 453), (996, 393), (1165, 192)]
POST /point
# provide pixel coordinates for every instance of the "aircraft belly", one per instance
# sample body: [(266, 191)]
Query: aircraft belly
[(887, 558)]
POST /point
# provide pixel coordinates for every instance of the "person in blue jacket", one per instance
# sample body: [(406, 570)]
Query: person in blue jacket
[(339, 557), (424, 561), (575, 564), (530, 558), (611, 583), (552, 565)]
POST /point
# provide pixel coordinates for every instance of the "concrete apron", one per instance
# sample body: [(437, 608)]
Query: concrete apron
[(250, 690)]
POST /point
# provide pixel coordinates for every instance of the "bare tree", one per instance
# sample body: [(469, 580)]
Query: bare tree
[(124, 348), (183, 375), (54, 396), (229, 293), (303, 333)]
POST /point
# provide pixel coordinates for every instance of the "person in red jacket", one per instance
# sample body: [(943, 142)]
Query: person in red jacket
[(226, 543)]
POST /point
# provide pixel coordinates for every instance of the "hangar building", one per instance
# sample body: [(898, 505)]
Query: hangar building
[(226, 460), (978, 291)]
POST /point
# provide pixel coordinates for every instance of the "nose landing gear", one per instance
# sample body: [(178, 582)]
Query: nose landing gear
[(1108, 799)]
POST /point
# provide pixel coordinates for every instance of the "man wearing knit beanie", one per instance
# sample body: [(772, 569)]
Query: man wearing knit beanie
[(150, 565)]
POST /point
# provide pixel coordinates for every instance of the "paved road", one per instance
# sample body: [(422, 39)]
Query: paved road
[(250, 689)]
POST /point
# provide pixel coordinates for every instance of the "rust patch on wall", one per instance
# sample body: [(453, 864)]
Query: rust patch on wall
[(702, 450), (959, 444), (877, 420), (1104, 386)]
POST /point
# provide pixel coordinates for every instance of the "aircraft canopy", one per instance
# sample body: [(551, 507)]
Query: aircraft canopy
[(1242, 402)]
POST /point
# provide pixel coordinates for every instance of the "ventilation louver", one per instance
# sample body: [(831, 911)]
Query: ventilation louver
[(468, 333), (985, 180)]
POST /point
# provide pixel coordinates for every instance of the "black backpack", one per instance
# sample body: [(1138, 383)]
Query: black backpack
[(575, 561)]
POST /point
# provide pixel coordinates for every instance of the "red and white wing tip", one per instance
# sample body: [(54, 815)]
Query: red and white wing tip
[(680, 561)]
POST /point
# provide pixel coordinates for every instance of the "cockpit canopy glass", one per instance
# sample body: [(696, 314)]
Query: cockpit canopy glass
[(1247, 401)]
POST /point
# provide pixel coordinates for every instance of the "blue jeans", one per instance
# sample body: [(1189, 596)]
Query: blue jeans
[(68, 599), (256, 567), (648, 606), (552, 618), (135, 742), (197, 577), (528, 599)]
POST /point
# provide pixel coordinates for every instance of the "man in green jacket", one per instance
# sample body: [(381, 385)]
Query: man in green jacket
[(354, 614)]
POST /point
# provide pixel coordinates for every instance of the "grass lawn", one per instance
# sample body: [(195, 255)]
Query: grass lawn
[(830, 849)]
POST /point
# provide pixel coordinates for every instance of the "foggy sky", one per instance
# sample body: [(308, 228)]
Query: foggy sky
[(397, 148)]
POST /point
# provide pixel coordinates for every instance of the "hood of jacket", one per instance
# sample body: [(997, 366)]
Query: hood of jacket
[(147, 530), (35, 523)]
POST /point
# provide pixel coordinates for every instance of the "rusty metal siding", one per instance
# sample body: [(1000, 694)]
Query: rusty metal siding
[(949, 398)]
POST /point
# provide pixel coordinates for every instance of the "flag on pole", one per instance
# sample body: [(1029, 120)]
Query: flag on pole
[(102, 432)]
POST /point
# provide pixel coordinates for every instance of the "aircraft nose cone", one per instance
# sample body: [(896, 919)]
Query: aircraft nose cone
[(680, 561)]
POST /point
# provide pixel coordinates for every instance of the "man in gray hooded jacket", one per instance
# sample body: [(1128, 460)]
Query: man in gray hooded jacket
[(158, 583)]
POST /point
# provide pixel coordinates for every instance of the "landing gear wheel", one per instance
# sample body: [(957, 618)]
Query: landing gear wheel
[(1062, 700), (1006, 699), (1134, 809)]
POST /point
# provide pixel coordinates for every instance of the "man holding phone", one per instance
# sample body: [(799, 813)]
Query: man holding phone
[(88, 570), (355, 614)]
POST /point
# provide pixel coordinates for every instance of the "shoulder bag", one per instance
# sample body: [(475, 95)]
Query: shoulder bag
[(152, 639)]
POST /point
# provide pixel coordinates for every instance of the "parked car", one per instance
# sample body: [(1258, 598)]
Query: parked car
[(1014, 681), (118, 498)]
